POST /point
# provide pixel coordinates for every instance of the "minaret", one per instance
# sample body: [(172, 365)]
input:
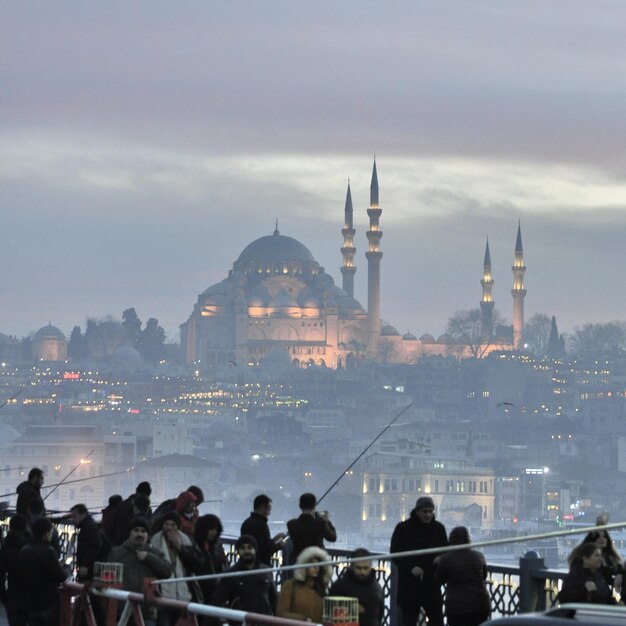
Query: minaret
[(348, 250), (518, 292), (487, 303), (373, 256)]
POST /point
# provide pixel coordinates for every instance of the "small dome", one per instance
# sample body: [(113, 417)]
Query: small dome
[(349, 303), (389, 331), (127, 354), (259, 296), (216, 299), (409, 337), (427, 338), (310, 303), (445, 338), (221, 287), (324, 281), (49, 332), (283, 300)]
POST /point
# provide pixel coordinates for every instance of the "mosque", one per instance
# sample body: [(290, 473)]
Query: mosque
[(277, 297)]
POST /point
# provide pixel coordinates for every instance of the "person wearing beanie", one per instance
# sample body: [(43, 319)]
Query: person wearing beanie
[(416, 574), (140, 560), (254, 593), (179, 551), (137, 503)]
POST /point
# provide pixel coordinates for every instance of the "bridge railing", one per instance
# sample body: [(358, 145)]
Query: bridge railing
[(512, 589)]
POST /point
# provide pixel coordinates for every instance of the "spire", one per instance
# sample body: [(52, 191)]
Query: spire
[(374, 187), (276, 229), (348, 250), (348, 209), (487, 261), (518, 243)]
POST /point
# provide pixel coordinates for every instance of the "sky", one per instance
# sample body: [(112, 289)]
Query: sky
[(143, 145)]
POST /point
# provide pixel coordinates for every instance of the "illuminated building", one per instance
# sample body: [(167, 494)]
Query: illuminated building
[(49, 344)]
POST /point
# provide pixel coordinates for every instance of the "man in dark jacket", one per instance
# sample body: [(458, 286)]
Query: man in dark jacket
[(257, 526), (253, 593), (311, 528), (137, 504), (30, 491), (41, 574), (359, 581), (416, 584), (15, 540), (89, 543)]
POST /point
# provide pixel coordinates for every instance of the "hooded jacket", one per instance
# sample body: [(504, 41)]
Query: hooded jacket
[(186, 522), (303, 599), (26, 494)]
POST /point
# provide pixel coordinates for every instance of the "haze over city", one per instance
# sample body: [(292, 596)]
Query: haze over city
[(145, 145)]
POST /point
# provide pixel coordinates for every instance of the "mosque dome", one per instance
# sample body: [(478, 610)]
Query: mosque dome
[(49, 332), (427, 338), (259, 296), (445, 338), (409, 337), (275, 247), (127, 354), (389, 331), (283, 299)]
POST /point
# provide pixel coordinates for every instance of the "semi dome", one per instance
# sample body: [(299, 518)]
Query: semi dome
[(427, 338), (275, 247), (389, 331)]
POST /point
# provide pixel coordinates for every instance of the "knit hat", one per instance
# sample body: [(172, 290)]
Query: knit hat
[(425, 502), (139, 522), (171, 516), (249, 539)]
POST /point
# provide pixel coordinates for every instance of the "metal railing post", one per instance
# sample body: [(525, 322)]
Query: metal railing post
[(532, 595)]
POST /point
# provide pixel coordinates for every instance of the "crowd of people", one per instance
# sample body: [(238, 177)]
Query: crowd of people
[(175, 542)]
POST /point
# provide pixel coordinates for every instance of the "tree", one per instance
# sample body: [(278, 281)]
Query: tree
[(152, 340), (76, 347), (132, 325), (537, 333), (608, 337), (465, 330)]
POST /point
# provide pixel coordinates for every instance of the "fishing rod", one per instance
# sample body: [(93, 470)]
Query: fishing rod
[(17, 393), (81, 462), (77, 480), (371, 443)]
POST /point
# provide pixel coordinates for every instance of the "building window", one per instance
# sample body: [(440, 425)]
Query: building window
[(460, 486), (449, 485), (483, 486)]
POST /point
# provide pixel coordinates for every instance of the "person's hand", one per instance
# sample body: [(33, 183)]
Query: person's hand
[(173, 538), (142, 554), (361, 609), (278, 539), (590, 585), (418, 572)]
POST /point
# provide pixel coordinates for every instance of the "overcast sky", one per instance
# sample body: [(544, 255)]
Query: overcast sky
[(143, 145)]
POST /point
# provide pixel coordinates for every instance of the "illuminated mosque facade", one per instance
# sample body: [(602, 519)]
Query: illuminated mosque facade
[(277, 297)]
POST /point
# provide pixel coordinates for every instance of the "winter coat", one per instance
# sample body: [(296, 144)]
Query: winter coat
[(26, 495), (210, 559), (14, 541), (413, 534), (309, 530), (464, 573), (368, 592), (303, 599), (41, 574), (187, 523), (88, 545), (153, 566), (256, 525), (574, 590), (107, 522), (253, 593), (174, 591)]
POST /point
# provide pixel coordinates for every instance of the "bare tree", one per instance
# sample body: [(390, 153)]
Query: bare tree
[(465, 331), (607, 337), (537, 333)]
